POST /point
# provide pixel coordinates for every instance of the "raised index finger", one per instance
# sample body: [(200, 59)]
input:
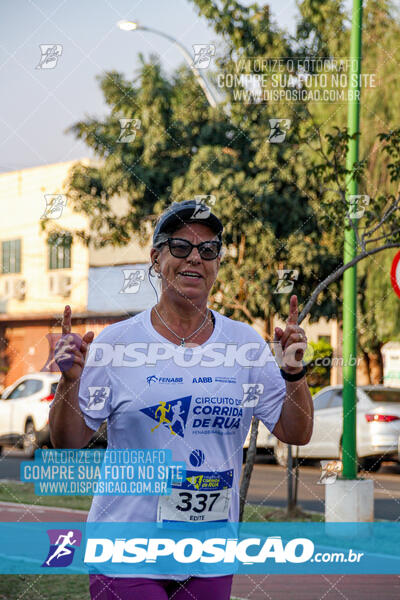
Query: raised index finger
[(66, 321), (293, 310)]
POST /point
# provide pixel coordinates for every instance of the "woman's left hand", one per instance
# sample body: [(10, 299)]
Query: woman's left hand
[(293, 340)]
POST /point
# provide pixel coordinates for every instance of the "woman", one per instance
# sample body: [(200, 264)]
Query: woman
[(196, 390)]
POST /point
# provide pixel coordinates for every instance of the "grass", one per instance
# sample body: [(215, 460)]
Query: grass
[(24, 493), (76, 587), (44, 587), (255, 512)]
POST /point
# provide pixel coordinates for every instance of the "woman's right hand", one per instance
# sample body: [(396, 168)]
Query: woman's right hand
[(71, 349)]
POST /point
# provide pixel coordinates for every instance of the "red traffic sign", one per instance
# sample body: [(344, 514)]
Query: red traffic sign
[(395, 274)]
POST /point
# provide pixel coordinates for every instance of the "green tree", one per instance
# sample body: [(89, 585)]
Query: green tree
[(320, 366), (323, 31), (283, 204), (381, 56), (184, 148), (379, 315)]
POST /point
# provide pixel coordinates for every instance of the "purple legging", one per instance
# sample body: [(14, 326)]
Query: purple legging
[(137, 588)]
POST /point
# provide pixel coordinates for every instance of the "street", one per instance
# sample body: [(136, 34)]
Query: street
[(269, 487)]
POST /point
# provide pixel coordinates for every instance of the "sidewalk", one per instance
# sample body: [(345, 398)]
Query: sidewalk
[(316, 587)]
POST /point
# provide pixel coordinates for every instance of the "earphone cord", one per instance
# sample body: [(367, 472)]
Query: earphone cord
[(151, 283)]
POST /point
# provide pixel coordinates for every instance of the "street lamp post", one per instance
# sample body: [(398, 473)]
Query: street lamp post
[(201, 80), (351, 499), (350, 250)]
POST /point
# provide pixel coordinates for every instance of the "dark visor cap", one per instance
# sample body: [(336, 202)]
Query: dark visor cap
[(181, 213)]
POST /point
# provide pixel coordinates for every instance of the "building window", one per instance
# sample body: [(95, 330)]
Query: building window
[(11, 256), (60, 250)]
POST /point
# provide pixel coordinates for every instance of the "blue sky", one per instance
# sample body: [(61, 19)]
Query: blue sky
[(37, 105)]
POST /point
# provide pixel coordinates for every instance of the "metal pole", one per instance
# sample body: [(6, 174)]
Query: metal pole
[(201, 80), (349, 445), (290, 503)]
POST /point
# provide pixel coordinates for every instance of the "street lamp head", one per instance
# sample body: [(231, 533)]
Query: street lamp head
[(126, 25)]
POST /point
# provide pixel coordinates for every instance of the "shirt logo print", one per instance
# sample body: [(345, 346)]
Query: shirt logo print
[(170, 415)]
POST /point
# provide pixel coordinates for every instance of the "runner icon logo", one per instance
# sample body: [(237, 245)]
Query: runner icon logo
[(251, 394), (202, 55), (62, 547), (98, 397), (171, 415)]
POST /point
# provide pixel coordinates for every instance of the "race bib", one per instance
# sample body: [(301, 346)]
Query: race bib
[(200, 497)]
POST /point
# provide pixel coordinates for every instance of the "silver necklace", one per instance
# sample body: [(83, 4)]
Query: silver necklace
[(183, 339)]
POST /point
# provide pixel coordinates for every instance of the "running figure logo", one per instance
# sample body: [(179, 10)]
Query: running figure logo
[(129, 127), (177, 413), (202, 55), (50, 53), (171, 415), (62, 547), (160, 414), (132, 280), (55, 204), (279, 129), (252, 393), (98, 396)]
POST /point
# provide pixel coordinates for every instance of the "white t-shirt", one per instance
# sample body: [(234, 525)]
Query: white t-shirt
[(197, 401)]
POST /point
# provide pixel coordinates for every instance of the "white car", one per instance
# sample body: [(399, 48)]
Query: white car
[(24, 411), (378, 426)]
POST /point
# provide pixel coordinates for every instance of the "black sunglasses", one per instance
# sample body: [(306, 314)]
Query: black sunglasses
[(181, 248)]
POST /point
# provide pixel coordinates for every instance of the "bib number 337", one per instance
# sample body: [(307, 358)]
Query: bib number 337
[(188, 505), (198, 503)]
